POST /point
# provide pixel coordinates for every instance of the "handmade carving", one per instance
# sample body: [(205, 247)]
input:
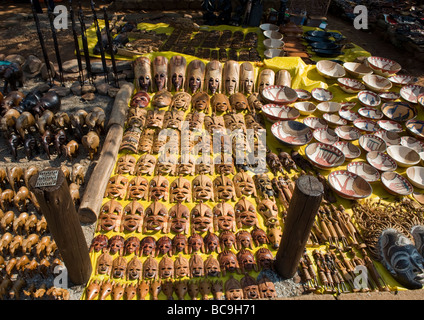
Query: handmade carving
[(266, 288), (274, 235), (217, 290), (173, 119), (117, 187), (201, 218), (166, 165), (148, 246), (193, 290), (156, 217), (250, 287), (161, 99), (158, 188), (200, 102), (186, 165), (224, 188), (160, 73), (139, 101), (213, 77), (181, 101), (224, 164), (166, 268), (204, 165), (181, 267), (143, 74), (93, 289), (212, 243), (214, 124), (179, 244), (180, 288), (104, 264), (155, 288), (266, 78), (234, 121), (247, 78), (150, 268), (119, 268), (180, 190), (134, 269), (146, 140), (269, 211), (99, 243), (231, 75), (195, 120), (246, 261), (196, 266), (202, 188), (154, 118), (220, 103), (224, 217), (125, 164), (132, 220), (274, 162), (245, 213), (264, 259), (110, 216), (195, 243), (264, 186), (116, 244), (177, 72), (212, 268), (254, 121), (164, 246), (195, 76), (283, 78), (179, 216), (227, 240), (244, 184), (287, 161), (244, 240), (238, 101), (145, 165), (259, 236), (137, 189), (130, 140), (228, 262), (254, 102), (132, 245)]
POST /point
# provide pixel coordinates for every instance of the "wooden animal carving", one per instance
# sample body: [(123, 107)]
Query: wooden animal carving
[(24, 123), (91, 142)]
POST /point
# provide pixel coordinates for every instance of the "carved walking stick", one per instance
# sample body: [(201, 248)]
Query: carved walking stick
[(100, 41), (85, 43), (55, 44)]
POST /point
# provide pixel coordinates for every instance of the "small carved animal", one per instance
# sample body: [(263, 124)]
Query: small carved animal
[(31, 146), (105, 289), (5, 241), (118, 291), (66, 172), (41, 225), (78, 174), (10, 267), (46, 139), (14, 292), (78, 122), (7, 219), (142, 289), (63, 121), (13, 76), (93, 289), (16, 244), (22, 262), (59, 141), (40, 292), (21, 197), (31, 223), (15, 176), (155, 289), (19, 222), (95, 120), (14, 141), (91, 142), (24, 123), (42, 245), (58, 293), (71, 149), (75, 194), (30, 242), (45, 121), (4, 287), (8, 121), (3, 177)]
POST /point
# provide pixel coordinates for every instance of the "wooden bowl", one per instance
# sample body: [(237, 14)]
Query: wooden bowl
[(370, 113), (370, 142), (412, 143), (399, 111), (391, 138), (357, 70), (416, 127), (381, 161), (402, 80), (389, 96), (326, 135), (303, 95), (273, 44), (273, 34), (415, 175), (366, 125), (291, 132), (389, 125), (377, 83), (348, 105), (383, 66), (368, 98), (404, 156), (364, 170), (321, 94), (411, 92), (349, 185), (269, 26), (275, 112), (330, 69), (334, 120), (395, 184), (305, 108), (328, 107), (349, 150), (324, 156), (279, 94), (315, 123), (350, 85), (420, 99), (347, 133), (348, 114)]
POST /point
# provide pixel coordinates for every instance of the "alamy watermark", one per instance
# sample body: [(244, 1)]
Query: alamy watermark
[(361, 20)]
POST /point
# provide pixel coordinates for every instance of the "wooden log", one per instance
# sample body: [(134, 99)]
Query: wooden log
[(304, 205), (118, 115), (52, 193)]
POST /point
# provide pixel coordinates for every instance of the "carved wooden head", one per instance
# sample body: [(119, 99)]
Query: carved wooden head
[(214, 124), (140, 100), (213, 77), (195, 243), (173, 119), (179, 244), (117, 187), (238, 101), (180, 190), (201, 218), (161, 99), (244, 185), (150, 268), (147, 246), (160, 73), (119, 268), (134, 269), (196, 266), (132, 245), (143, 74), (166, 268), (181, 267), (110, 216), (246, 261), (247, 78), (156, 217), (202, 188), (116, 244), (200, 102), (212, 268), (145, 165), (177, 72), (220, 103), (250, 287), (158, 188), (126, 164), (223, 188), (155, 117), (231, 77), (137, 189), (179, 217), (224, 217), (245, 213), (104, 264), (181, 101), (195, 76), (132, 220), (266, 78), (266, 288)]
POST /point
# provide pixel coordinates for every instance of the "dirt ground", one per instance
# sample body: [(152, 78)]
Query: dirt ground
[(18, 36)]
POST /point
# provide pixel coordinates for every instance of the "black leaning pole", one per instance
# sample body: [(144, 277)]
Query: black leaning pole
[(77, 48), (85, 44), (112, 54), (55, 44), (99, 38)]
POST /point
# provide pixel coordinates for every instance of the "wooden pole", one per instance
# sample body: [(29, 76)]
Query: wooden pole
[(303, 208), (52, 192)]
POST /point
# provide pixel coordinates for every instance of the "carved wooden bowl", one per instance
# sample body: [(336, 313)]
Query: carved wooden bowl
[(366, 125), (330, 69), (348, 114), (390, 125), (347, 133), (303, 95), (328, 107), (412, 143), (321, 94), (370, 113), (370, 142), (411, 92), (383, 66), (389, 96), (315, 123), (325, 135), (275, 112), (368, 98), (350, 85), (377, 83), (292, 132), (381, 161), (273, 43), (399, 111), (348, 105), (357, 70), (364, 170), (349, 185), (416, 127), (269, 26), (404, 156), (402, 80), (324, 156), (395, 184), (305, 107), (391, 138), (273, 34), (349, 150), (279, 94), (415, 175)]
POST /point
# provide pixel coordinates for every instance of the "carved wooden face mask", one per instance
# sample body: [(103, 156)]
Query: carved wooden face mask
[(167, 165), (266, 288), (259, 236), (140, 100), (244, 239), (264, 258), (244, 185), (195, 76), (181, 101), (187, 165), (104, 264), (233, 289), (227, 240), (166, 268), (214, 124), (110, 216), (147, 246), (158, 188), (224, 189), (196, 266), (195, 243), (145, 165), (266, 78), (116, 244), (269, 210), (246, 261), (173, 119), (195, 120), (179, 244), (224, 164), (250, 287), (181, 267), (156, 217), (212, 243), (234, 121), (164, 246), (247, 78), (119, 268), (132, 245), (99, 243), (224, 217), (200, 102), (134, 269), (177, 67), (254, 102), (145, 142), (245, 213), (143, 74), (137, 189), (204, 165), (154, 118), (180, 190), (162, 99), (117, 187), (264, 186), (238, 101), (228, 262), (179, 216), (212, 268), (202, 218), (150, 268), (202, 188), (220, 103), (126, 164), (133, 217), (213, 77), (231, 77), (160, 73)]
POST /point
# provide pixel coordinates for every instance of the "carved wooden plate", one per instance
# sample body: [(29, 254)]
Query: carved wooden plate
[(324, 156), (348, 148), (411, 92), (399, 111), (348, 133), (404, 156), (395, 184), (349, 185), (292, 132), (279, 94), (364, 170), (325, 135), (370, 142), (381, 161), (315, 123), (368, 98), (383, 66)]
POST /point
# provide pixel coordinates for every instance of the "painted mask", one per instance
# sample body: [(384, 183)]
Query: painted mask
[(195, 76), (264, 185), (99, 243), (140, 100)]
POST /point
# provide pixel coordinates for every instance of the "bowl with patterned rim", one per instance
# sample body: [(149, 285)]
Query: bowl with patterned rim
[(422, 157), (364, 170), (349, 185), (368, 98), (326, 135), (324, 156), (412, 143), (377, 83), (328, 107), (391, 138), (349, 150), (395, 184), (389, 96), (348, 105), (404, 156), (350, 85), (330, 69), (334, 120), (415, 175), (303, 95), (366, 125), (399, 111), (356, 69), (305, 107), (279, 94), (292, 132), (315, 123), (370, 142), (347, 133), (348, 114), (321, 94), (370, 113), (390, 125), (411, 92), (400, 80), (416, 127), (420, 99), (275, 112), (381, 161), (383, 66)]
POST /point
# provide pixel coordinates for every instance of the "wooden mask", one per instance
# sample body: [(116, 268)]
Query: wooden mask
[(247, 78), (132, 219), (119, 268), (116, 244), (212, 268), (162, 99), (200, 102), (104, 264), (231, 77), (156, 217), (126, 164), (179, 218), (246, 261), (220, 103), (233, 289), (132, 245), (154, 118), (137, 189), (180, 190), (223, 189), (202, 188), (224, 217), (245, 213), (238, 101), (213, 78), (150, 268), (117, 187), (266, 78), (250, 287), (196, 266), (283, 78), (145, 165), (201, 218), (160, 73), (228, 262), (181, 267), (134, 269), (177, 73), (166, 268), (143, 74), (244, 185), (195, 76), (181, 101), (140, 100), (158, 188), (167, 165), (148, 246)]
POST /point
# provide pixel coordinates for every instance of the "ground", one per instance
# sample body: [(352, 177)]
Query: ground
[(18, 36)]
